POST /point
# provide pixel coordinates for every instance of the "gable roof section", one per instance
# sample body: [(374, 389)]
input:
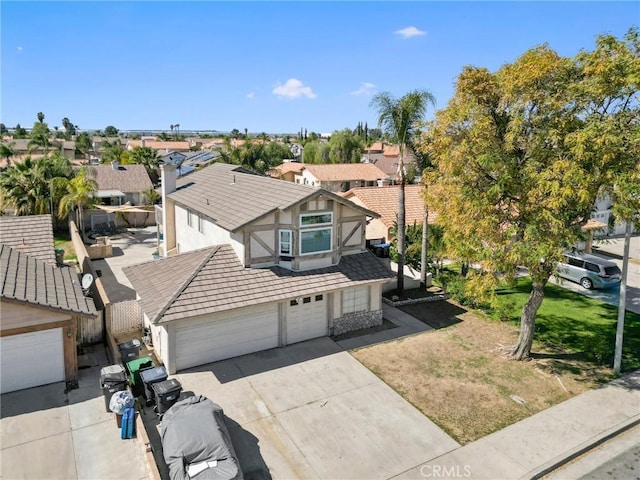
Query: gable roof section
[(31, 234), (30, 280), (384, 201), (287, 167), (338, 172), (233, 197), (126, 178), (213, 280)]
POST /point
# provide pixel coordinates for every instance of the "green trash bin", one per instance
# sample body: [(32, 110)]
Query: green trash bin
[(134, 367), (59, 256)]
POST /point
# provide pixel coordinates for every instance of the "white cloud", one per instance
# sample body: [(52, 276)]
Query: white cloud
[(20, 48), (409, 32), (366, 88), (251, 95), (293, 88)]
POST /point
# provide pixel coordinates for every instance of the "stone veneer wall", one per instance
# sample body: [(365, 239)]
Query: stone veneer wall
[(356, 321)]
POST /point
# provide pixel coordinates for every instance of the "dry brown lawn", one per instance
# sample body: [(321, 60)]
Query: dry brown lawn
[(459, 377)]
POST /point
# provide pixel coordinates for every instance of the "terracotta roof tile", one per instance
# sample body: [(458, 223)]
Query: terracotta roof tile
[(336, 172), (213, 280), (384, 201)]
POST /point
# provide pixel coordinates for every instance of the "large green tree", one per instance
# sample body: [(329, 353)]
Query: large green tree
[(522, 153), (79, 195), (399, 118), (345, 147)]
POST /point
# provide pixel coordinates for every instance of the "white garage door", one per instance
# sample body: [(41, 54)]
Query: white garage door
[(307, 318), (31, 359), (227, 335)]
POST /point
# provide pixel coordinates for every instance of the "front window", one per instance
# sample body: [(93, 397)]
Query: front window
[(316, 240), (286, 243), (200, 224), (316, 233)]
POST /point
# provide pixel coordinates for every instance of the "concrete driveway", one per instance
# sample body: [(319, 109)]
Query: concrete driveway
[(311, 410), (46, 433)]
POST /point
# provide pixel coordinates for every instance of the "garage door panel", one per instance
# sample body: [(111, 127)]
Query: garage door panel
[(307, 320), (228, 335), (31, 359)]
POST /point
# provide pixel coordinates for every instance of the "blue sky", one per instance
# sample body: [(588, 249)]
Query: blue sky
[(264, 66)]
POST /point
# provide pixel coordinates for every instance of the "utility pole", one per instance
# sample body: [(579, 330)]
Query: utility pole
[(622, 304)]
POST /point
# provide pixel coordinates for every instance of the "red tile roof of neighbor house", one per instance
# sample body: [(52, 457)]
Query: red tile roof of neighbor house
[(30, 280), (31, 234), (384, 201), (126, 178), (287, 167), (213, 280), (158, 145), (343, 172)]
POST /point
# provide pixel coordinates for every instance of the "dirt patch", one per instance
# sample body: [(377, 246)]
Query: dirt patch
[(438, 315), (459, 377)]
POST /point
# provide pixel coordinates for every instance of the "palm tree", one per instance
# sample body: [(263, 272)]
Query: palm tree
[(7, 150), (79, 195), (399, 118), (40, 116), (172, 127)]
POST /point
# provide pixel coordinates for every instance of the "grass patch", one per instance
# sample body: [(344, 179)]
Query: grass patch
[(63, 240), (459, 377), (573, 323)]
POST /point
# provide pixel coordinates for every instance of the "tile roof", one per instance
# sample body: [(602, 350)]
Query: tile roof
[(287, 167), (336, 172), (127, 178), (384, 201), (31, 234), (28, 279), (232, 196), (159, 145), (213, 280)]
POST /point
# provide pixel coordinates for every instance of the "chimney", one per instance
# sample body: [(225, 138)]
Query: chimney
[(115, 165), (168, 178)]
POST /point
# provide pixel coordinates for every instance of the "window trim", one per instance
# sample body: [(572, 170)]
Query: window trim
[(302, 254), (190, 218), (280, 242), (200, 223)]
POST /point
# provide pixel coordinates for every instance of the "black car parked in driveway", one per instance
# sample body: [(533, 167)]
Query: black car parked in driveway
[(196, 443)]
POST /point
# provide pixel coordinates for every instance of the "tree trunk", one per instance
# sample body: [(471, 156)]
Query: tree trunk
[(423, 250), (401, 227), (522, 349)]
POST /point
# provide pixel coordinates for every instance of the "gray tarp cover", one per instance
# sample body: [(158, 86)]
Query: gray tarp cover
[(193, 431)]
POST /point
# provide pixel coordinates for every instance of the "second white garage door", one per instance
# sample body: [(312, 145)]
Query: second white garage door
[(307, 318), (219, 336), (31, 359)]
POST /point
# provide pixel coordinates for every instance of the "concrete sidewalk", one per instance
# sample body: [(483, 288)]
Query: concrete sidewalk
[(539, 444)]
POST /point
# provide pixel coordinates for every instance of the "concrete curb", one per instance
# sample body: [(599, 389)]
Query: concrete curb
[(581, 449)]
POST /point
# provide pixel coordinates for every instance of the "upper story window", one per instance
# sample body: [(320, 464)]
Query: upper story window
[(286, 242), (200, 224), (190, 218), (315, 219), (316, 233)]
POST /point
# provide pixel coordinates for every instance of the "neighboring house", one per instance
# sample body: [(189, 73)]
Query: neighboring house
[(23, 150), (254, 263), (340, 177), (120, 184), (384, 201), (287, 171), (188, 163), (387, 158), (602, 212), (161, 147), (30, 234), (42, 307)]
